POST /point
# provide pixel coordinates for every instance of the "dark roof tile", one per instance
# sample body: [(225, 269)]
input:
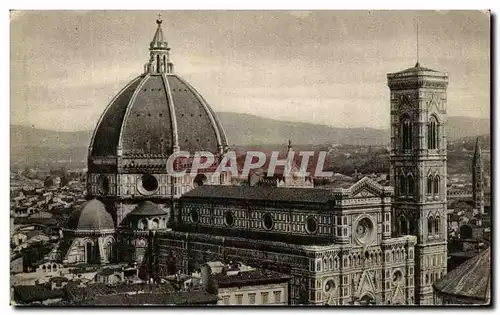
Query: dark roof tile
[(261, 193), (470, 279)]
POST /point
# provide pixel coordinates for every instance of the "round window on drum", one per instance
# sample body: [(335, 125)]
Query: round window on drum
[(103, 184), (194, 215), (229, 218), (149, 182), (311, 225), (268, 221)]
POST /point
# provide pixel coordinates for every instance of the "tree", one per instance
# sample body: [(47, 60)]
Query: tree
[(212, 286)]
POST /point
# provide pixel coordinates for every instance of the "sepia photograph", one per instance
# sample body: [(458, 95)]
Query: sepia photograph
[(235, 158)]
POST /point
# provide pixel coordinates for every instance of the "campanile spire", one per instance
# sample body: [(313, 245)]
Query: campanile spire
[(159, 52), (478, 179)]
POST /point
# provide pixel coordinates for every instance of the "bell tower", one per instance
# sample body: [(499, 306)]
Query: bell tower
[(418, 170)]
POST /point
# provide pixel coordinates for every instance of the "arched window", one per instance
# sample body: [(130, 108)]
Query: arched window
[(158, 69), (330, 261), (336, 260), (88, 252), (164, 63), (412, 229), (164, 223), (411, 185), (437, 222), (155, 223), (436, 185), (430, 224), (406, 133), (432, 134), (403, 225), (109, 251), (402, 184), (143, 224), (430, 182)]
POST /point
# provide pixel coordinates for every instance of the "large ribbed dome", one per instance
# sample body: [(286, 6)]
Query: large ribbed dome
[(91, 216), (156, 113)]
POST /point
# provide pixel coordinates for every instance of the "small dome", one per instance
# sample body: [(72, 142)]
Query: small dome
[(92, 215), (471, 279), (147, 208)]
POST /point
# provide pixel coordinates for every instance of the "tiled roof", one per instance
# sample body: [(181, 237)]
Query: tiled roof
[(140, 120), (470, 279), (35, 293), (143, 299), (107, 133), (260, 193), (253, 277), (416, 68), (100, 289), (147, 208)]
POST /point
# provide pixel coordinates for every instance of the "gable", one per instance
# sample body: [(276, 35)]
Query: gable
[(365, 284), (365, 188), (398, 296), (364, 193)]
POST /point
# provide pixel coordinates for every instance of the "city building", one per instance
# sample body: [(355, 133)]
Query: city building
[(238, 284)]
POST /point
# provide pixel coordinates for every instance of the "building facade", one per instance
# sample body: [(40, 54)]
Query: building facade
[(337, 244), (418, 169), (238, 284)]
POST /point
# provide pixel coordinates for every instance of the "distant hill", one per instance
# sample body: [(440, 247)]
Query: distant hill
[(31, 146), (461, 127), (245, 129), (27, 136)]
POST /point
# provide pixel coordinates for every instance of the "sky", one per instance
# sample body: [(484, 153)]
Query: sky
[(323, 67)]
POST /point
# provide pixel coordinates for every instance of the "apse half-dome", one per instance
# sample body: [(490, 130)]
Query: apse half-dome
[(91, 216), (156, 113)]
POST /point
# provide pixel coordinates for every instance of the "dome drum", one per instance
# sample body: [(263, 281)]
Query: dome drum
[(147, 216), (103, 185)]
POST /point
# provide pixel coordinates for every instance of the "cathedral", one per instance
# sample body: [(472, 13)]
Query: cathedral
[(362, 245)]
